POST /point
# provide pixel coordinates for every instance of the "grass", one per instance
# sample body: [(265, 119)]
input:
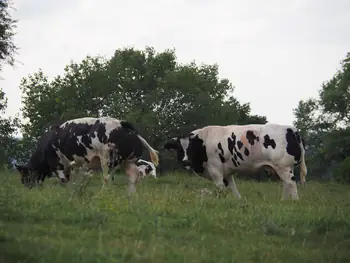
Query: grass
[(168, 220)]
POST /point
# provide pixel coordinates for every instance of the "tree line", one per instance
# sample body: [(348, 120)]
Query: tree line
[(163, 98)]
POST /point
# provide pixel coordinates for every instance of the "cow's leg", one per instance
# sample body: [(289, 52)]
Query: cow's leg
[(105, 169), (217, 177), (133, 175), (61, 176), (289, 186), (232, 186)]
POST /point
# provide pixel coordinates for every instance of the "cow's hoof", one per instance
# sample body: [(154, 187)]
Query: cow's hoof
[(63, 182)]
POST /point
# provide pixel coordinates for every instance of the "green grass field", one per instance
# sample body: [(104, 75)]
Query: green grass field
[(168, 220)]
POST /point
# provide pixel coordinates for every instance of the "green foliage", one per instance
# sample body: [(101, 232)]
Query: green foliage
[(7, 26), (162, 97), (324, 123), (7, 127), (7, 50), (21, 148), (342, 173), (168, 220), (335, 94)]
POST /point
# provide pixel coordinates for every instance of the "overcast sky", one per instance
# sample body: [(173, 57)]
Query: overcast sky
[(274, 52)]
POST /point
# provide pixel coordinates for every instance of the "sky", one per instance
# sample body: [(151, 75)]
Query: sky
[(274, 52)]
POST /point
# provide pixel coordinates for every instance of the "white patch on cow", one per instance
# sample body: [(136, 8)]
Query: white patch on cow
[(184, 144), (61, 175), (63, 160), (142, 169)]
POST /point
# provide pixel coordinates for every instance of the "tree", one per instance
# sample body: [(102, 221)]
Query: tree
[(335, 95), (7, 128), (325, 123), (7, 51), (162, 97), (7, 26)]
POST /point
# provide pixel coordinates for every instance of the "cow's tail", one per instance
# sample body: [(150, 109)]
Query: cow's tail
[(303, 169), (153, 153)]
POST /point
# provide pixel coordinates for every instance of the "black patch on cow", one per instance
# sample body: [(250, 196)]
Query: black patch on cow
[(240, 156), (235, 156), (128, 144), (128, 125), (257, 138), (148, 169), (141, 162), (251, 137), (197, 154), (246, 151), (293, 146), (225, 182), (269, 142), (234, 162), (221, 153), (231, 141), (239, 144)]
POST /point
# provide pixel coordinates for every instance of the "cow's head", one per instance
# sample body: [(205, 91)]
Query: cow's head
[(26, 174), (190, 150), (180, 147), (151, 169), (146, 168)]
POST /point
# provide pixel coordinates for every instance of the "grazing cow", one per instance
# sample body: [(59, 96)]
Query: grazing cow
[(146, 168), (216, 152), (76, 142)]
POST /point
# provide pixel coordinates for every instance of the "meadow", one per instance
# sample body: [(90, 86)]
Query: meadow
[(170, 220)]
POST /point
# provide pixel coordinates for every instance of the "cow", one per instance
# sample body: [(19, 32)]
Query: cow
[(76, 142), (144, 167), (216, 152)]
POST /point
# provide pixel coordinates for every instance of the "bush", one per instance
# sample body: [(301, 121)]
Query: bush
[(342, 173)]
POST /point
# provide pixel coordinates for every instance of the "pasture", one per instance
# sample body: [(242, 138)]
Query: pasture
[(168, 220)]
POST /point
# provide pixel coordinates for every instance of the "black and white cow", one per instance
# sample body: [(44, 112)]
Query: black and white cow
[(146, 168), (216, 152), (76, 142)]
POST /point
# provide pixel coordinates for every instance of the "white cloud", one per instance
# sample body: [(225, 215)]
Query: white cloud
[(274, 52)]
